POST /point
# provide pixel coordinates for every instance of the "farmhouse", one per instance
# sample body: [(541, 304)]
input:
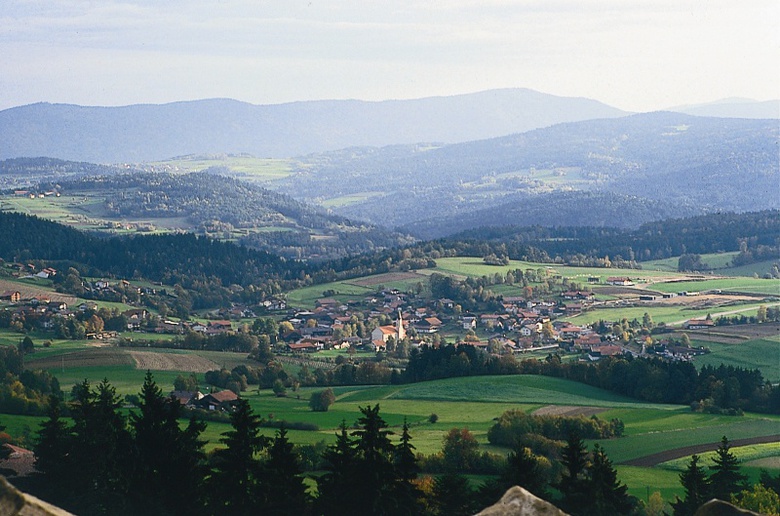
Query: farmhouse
[(13, 296), (222, 400), (620, 281), (700, 324)]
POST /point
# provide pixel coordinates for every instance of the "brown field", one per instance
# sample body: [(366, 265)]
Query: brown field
[(171, 362), (95, 357), (31, 291), (657, 458), (766, 462), (384, 278), (564, 410)]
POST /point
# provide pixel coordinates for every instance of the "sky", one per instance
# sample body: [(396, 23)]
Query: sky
[(637, 55)]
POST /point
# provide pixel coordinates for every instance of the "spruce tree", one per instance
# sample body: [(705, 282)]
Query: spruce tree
[(285, 491), (572, 484), (336, 485), (607, 495), (697, 489), (169, 460), (726, 478), (373, 492), (523, 470), (406, 493), (234, 482), (452, 495), (52, 449)]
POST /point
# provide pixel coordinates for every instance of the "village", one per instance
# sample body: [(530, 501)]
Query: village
[(389, 322)]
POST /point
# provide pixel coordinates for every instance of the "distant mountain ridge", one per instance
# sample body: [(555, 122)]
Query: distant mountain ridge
[(734, 108), (152, 132), (684, 164)]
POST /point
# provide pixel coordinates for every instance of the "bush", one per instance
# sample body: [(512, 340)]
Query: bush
[(433, 418), (320, 401)]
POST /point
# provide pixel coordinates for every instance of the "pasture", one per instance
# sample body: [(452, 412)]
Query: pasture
[(470, 402)]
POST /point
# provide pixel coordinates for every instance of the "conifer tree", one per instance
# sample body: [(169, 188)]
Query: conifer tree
[(407, 494), (523, 470), (726, 478), (572, 484), (234, 482), (335, 486), (169, 460), (285, 491), (52, 448), (607, 495), (373, 492), (697, 489), (452, 495)]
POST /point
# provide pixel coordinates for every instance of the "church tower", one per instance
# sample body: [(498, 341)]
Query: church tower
[(400, 331)]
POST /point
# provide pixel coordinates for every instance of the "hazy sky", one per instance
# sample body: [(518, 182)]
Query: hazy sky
[(637, 55)]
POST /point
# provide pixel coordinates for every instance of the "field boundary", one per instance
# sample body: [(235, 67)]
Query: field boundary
[(655, 459)]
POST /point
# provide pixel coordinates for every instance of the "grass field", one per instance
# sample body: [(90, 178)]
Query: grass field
[(761, 354), (770, 287), (245, 167), (666, 314)]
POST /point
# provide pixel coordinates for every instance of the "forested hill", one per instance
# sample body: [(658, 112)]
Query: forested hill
[(184, 259), (755, 234), (26, 172), (152, 132), (672, 159), (224, 207)]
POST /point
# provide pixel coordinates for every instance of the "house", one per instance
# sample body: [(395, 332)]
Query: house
[(217, 327), (304, 346), (620, 281), (428, 325), (13, 296), (469, 321), (222, 400), (598, 352), (700, 324), (186, 397)]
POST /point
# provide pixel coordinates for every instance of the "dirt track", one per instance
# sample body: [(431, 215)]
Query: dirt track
[(657, 458), (564, 410)]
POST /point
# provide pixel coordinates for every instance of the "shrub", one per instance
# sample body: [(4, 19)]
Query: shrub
[(320, 401)]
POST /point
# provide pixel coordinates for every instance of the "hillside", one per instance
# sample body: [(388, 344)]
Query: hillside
[(152, 132), (680, 163), (207, 204)]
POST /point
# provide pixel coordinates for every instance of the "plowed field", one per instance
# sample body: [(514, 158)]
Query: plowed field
[(171, 362)]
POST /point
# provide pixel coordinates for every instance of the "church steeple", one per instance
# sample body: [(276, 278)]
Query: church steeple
[(399, 327)]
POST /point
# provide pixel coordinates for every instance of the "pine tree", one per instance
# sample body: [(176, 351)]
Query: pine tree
[(234, 482), (335, 487), (607, 495), (523, 470), (373, 493), (169, 460), (726, 478), (100, 447), (452, 495), (285, 491), (52, 448), (697, 489), (572, 485), (406, 492)]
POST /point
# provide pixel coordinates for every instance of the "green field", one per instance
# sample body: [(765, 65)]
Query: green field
[(770, 287), (761, 354), (245, 167), (666, 314), (715, 261)]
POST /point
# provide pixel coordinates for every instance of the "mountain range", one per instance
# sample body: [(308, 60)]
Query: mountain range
[(152, 132)]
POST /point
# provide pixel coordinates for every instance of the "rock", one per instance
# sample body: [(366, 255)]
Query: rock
[(16, 503), (717, 507), (519, 502)]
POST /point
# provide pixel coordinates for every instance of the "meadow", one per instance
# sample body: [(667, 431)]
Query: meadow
[(470, 402)]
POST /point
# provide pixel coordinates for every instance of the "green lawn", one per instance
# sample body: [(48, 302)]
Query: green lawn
[(666, 314)]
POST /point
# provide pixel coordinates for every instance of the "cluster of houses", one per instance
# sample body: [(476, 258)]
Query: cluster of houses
[(223, 401)]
